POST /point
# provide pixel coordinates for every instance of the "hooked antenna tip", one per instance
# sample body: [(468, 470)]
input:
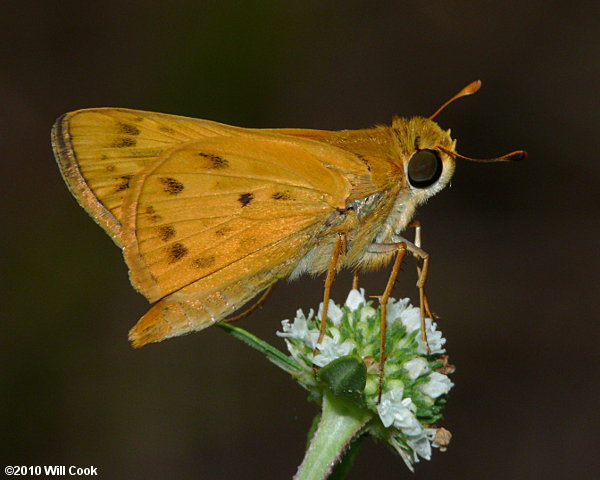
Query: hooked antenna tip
[(517, 156), (470, 89)]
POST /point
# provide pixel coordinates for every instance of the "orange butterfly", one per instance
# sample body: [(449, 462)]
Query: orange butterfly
[(209, 215)]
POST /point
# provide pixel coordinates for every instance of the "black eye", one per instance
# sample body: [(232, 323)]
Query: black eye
[(424, 168)]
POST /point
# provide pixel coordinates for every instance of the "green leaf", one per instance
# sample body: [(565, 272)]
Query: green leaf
[(277, 357), (345, 376)]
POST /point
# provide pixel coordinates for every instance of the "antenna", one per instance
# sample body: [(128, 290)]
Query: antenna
[(470, 89), (509, 157)]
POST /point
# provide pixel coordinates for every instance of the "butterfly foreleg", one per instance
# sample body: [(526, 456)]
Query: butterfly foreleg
[(422, 272), (417, 226)]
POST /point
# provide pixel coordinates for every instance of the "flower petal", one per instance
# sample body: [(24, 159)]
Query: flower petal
[(416, 367), (298, 329), (355, 299), (438, 385), (395, 309), (334, 313)]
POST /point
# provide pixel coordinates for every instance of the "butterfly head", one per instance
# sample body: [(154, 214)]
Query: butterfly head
[(429, 153)]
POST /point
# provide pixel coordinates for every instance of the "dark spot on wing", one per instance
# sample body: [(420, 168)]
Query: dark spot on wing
[(221, 232), (285, 195), (128, 129), (176, 252), (217, 162), (124, 142), (172, 186), (152, 216), (204, 262), (164, 129), (166, 232), (245, 198), (124, 185), (110, 168)]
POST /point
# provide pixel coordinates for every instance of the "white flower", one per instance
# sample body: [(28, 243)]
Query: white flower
[(388, 405), (416, 367), (399, 446), (355, 299), (311, 339), (438, 385), (393, 409), (366, 312), (435, 341), (395, 309), (405, 418), (330, 348), (411, 319), (421, 445), (334, 313), (298, 329), (430, 433)]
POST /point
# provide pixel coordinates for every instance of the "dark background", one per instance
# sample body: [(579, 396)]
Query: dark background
[(514, 246)]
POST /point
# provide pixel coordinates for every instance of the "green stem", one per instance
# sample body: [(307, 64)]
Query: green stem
[(341, 421)]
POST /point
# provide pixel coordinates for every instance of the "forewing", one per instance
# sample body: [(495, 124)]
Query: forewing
[(227, 207), (100, 150), (351, 164)]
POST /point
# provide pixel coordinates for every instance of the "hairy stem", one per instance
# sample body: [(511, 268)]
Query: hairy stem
[(341, 421)]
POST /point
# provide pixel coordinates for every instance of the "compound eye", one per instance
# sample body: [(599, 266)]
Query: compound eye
[(424, 168)]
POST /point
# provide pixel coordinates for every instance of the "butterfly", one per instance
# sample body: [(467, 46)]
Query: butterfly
[(210, 215)]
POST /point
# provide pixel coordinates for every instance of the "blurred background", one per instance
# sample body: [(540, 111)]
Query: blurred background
[(514, 247)]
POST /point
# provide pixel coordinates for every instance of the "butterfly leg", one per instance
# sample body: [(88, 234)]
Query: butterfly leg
[(337, 249), (420, 254), (417, 226), (400, 254), (424, 305), (422, 272), (355, 280), (252, 307)]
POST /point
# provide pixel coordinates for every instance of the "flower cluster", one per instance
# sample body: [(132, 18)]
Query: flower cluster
[(415, 383)]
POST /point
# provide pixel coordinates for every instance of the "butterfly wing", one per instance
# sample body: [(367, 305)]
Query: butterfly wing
[(212, 223), (100, 150), (205, 253)]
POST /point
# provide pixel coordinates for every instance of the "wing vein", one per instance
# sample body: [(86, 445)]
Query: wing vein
[(229, 237), (246, 177)]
